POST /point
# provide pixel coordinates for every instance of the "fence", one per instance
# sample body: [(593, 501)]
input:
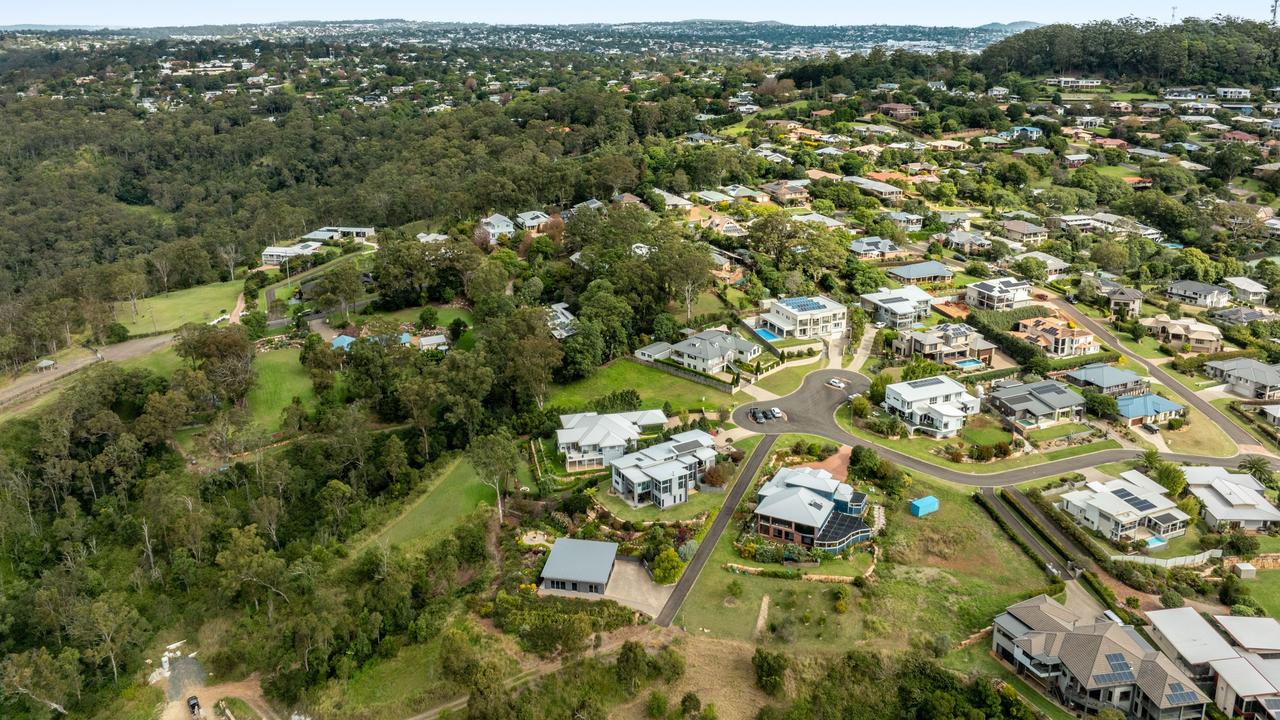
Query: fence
[(1182, 561), (700, 378), (755, 336)]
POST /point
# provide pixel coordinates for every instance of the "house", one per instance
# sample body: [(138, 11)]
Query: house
[(818, 219), (1027, 406), (929, 271), (786, 193), (876, 248), (583, 566), (1108, 380), (496, 227), (997, 91), (1247, 290), (277, 255), (1259, 635), (804, 317), (1055, 267), (1023, 132), (1230, 499), (897, 111), (1131, 507), (1194, 292), (338, 232), (561, 321), (709, 351), (900, 308), (1247, 377), (709, 197), (671, 201), (1247, 685), (1056, 336), (998, 294), (663, 474), (1190, 640), (590, 440), (936, 406), (1238, 315), (808, 507), (909, 222), (1233, 93), (742, 192), (532, 220), (1023, 231), (945, 343), (1148, 408), (1125, 301), (957, 219), (1032, 150), (431, 238), (966, 242), (1198, 336), (1092, 663), (875, 188)]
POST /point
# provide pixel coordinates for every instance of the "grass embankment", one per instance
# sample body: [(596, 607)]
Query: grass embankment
[(453, 496), (169, 311), (654, 385)]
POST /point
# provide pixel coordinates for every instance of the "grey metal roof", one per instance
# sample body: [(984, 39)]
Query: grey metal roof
[(928, 268), (1103, 375), (580, 561)]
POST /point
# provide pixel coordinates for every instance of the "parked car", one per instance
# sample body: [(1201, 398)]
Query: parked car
[(758, 415), (775, 413), (836, 383), (1150, 428)]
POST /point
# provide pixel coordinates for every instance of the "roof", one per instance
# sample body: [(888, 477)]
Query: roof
[(612, 430), (1104, 375), (1053, 264), (1040, 398), (1242, 677), (926, 388), (815, 480), (1195, 287), (1146, 405), (1248, 369), (817, 303), (580, 560), (1001, 286), (1256, 634), (1191, 636), (1230, 495), (798, 505), (926, 269), (1246, 284), (904, 300)]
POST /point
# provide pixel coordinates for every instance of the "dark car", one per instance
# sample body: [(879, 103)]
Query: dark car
[(756, 415), (1150, 428), (193, 705)]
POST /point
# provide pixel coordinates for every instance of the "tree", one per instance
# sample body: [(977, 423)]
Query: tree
[(1102, 406), (108, 626), (46, 680), (340, 287), (496, 460), (1172, 478), (632, 666), (690, 704), (686, 268), (427, 318), (1032, 268), (539, 356), (771, 668), (666, 567), (878, 385), (1260, 468)]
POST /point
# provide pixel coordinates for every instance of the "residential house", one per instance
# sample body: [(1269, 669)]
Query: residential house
[(1108, 380), (1199, 337), (1125, 301), (278, 255), (899, 308), (709, 197), (909, 222), (561, 321), (1247, 290), (497, 226), (929, 271), (533, 219), (339, 232), (1148, 408), (1091, 664), (671, 201), (1023, 231), (804, 317), (875, 188), (1233, 93), (1230, 499), (808, 507), (957, 219), (1023, 132), (945, 343), (663, 474), (590, 440), (1032, 150), (1247, 377), (818, 219), (966, 242), (1194, 292), (1057, 337), (936, 406), (1184, 635), (1238, 315), (583, 566), (998, 294), (1055, 267), (1027, 406), (786, 192), (742, 192), (897, 111), (709, 351), (1131, 507), (876, 248)]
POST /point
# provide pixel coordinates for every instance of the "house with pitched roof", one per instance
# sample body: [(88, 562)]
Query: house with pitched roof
[(1125, 301), (1132, 507), (1108, 380), (1247, 290), (710, 351), (1056, 337), (1232, 500), (1027, 406), (998, 294), (929, 271), (899, 308), (1198, 336), (937, 406), (945, 343), (663, 474), (1147, 408), (1247, 377), (808, 507), (804, 317), (583, 566), (876, 248), (591, 440), (1089, 664), (1194, 292)]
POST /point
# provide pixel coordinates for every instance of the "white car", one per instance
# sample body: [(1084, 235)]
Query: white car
[(837, 383)]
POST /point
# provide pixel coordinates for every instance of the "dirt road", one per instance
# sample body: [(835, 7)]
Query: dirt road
[(249, 690), (33, 384)]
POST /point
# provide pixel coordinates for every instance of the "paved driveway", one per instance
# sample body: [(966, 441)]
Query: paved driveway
[(630, 585)]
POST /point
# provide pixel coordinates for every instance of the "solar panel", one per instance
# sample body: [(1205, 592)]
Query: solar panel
[(1177, 687), (1182, 698), (1114, 677), (925, 382), (1122, 493)]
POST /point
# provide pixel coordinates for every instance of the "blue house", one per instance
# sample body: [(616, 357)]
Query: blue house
[(1148, 408), (923, 506)]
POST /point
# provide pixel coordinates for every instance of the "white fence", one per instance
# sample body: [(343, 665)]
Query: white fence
[(1183, 561)]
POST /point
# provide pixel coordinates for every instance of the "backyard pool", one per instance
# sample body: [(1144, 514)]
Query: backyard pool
[(1155, 542), (968, 364), (767, 335)]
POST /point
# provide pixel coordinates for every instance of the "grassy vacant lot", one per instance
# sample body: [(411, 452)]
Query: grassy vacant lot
[(453, 496), (948, 573), (444, 315), (281, 377), (1057, 431), (984, 430), (655, 387), (1266, 590), (1148, 347), (1199, 436), (137, 702), (161, 362), (171, 310)]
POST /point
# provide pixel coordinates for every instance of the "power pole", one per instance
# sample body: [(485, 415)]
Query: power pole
[(1275, 4)]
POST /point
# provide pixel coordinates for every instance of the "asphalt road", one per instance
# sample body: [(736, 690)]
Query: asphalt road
[(723, 518), (812, 408)]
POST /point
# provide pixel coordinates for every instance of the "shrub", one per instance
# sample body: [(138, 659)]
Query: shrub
[(1133, 602), (771, 669), (1171, 599), (1176, 423), (115, 333), (666, 567), (657, 705)]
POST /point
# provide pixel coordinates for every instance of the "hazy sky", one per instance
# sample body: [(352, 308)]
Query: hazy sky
[(138, 13)]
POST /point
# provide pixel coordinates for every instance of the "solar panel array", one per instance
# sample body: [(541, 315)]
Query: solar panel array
[(1121, 670), (802, 304), (1137, 503), (925, 382), (1179, 694)]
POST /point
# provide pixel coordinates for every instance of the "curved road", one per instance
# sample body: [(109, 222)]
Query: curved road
[(811, 409)]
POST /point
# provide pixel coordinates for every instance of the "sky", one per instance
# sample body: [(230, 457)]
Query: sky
[(147, 13)]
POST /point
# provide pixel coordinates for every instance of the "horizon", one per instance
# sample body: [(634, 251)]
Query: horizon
[(81, 14)]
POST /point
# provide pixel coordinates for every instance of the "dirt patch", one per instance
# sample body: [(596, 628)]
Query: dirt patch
[(719, 671), (248, 690), (837, 465), (763, 617)]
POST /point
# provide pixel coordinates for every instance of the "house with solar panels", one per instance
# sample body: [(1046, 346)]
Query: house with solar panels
[(804, 317), (1132, 507), (663, 474), (936, 406), (1089, 664), (809, 507)]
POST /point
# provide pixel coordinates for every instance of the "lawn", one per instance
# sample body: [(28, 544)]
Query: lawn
[(1057, 431), (171, 310), (281, 377), (1266, 590), (1148, 347), (654, 385), (948, 573), (1199, 436), (984, 430), (963, 279), (432, 515), (137, 702), (697, 504), (444, 315), (1223, 404), (706, 303), (162, 362), (1186, 544), (788, 379)]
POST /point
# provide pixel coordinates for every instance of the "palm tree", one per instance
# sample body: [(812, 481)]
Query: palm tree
[(1259, 468), (1151, 459)]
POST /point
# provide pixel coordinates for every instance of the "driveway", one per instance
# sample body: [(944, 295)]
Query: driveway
[(630, 585), (34, 384)]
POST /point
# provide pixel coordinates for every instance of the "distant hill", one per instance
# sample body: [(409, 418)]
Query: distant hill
[(1013, 27)]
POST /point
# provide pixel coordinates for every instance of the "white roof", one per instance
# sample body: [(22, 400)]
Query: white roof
[(1245, 284), (926, 388), (1229, 495), (610, 430), (797, 505), (1191, 635), (814, 479), (1242, 676), (1256, 634)]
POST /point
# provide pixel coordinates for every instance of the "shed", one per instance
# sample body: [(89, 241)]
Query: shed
[(579, 565), (1245, 571), (923, 506), (46, 364)]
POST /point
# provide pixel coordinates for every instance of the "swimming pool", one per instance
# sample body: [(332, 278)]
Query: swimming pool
[(767, 335), (1155, 542), (968, 364)]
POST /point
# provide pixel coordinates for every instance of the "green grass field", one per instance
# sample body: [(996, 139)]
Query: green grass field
[(1199, 436), (1147, 348), (452, 496), (1057, 431), (172, 310), (161, 362), (788, 379), (281, 377), (655, 388), (984, 430), (1266, 590), (697, 504)]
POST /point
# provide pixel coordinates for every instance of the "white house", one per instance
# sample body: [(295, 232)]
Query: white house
[(937, 406), (900, 308), (590, 440), (804, 317), (1230, 499), (663, 474), (533, 219), (276, 255), (709, 351), (560, 320), (1194, 292), (497, 226), (998, 294), (1133, 507), (1056, 267), (1247, 290)]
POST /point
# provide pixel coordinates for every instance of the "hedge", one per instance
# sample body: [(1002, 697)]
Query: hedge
[(990, 375), (1107, 355), (1017, 539), (1006, 320), (1072, 530)]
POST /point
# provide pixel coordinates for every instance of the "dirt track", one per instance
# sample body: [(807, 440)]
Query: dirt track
[(249, 690), (33, 384)]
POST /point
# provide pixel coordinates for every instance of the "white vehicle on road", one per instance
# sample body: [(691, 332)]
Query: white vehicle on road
[(837, 383)]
